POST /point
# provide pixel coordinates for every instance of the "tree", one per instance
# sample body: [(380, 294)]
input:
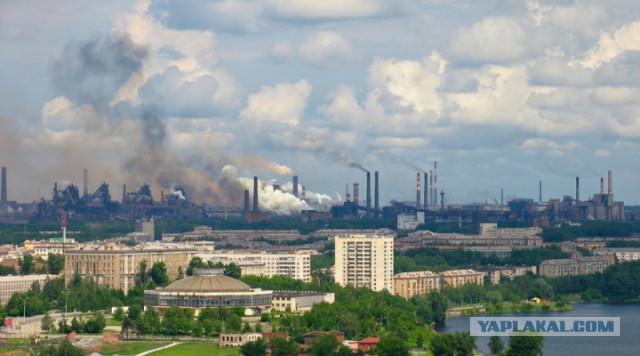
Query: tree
[(258, 327), (458, 344), (254, 348), (246, 328), (439, 305), (419, 341), (142, 277), (281, 347), (55, 263), (64, 349), (47, 323), (324, 345), (180, 273), (232, 270), (525, 345), (26, 263), (496, 345), (119, 314), (195, 262), (159, 274), (392, 345)]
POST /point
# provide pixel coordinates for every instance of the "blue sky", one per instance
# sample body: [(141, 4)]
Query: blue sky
[(501, 93)]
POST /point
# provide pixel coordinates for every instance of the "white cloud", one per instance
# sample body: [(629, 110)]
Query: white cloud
[(626, 38), (601, 153), (492, 40), (283, 103), (328, 9), (326, 48)]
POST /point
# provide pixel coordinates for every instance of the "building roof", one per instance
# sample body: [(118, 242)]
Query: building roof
[(370, 340), (207, 284)]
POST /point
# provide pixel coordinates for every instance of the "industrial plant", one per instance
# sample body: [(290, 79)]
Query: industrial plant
[(430, 204)]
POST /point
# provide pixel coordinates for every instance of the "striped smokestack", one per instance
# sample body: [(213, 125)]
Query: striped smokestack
[(3, 188), (348, 196), (376, 194), (255, 194), (610, 186), (368, 193), (601, 185), (426, 192), (418, 186), (295, 186), (356, 193)]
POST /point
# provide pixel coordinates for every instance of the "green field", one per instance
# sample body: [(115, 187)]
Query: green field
[(198, 348), (128, 348)]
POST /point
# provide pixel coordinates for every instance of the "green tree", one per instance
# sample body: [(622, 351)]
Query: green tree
[(232, 270), (258, 327), (281, 347), (324, 345), (27, 264), (46, 324), (55, 263), (95, 324), (439, 305), (254, 348), (392, 345), (496, 345), (525, 345), (419, 341), (119, 314), (142, 277), (180, 273), (458, 344), (159, 274), (195, 262), (246, 328), (64, 349)]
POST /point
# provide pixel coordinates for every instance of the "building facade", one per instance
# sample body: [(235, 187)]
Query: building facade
[(365, 260), (408, 284), (622, 254), (569, 267), (459, 277), (116, 265), (20, 284), (299, 301), (296, 265)]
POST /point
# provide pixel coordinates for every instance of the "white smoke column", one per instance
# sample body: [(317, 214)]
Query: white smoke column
[(262, 164), (269, 199), (318, 197), (177, 192)]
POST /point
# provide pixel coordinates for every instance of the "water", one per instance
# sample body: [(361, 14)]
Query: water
[(628, 343)]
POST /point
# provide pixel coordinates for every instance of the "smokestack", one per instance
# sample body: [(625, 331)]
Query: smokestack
[(295, 186), (426, 192), (3, 189), (501, 197), (601, 185), (577, 189), (610, 187), (540, 192), (418, 184), (347, 193), (368, 193), (435, 205), (162, 197), (376, 194), (85, 181), (246, 201), (442, 200), (255, 194), (124, 193), (356, 193)]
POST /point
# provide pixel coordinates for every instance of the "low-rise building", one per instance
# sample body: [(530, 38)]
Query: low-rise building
[(299, 301), (491, 229), (460, 277), (296, 265), (574, 267), (235, 340), (43, 248), (498, 273), (20, 284), (408, 284), (622, 254), (410, 221)]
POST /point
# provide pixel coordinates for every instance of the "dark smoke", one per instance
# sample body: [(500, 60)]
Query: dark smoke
[(92, 71), (341, 157), (401, 160)]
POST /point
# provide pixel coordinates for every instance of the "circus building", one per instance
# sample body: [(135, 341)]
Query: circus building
[(209, 288)]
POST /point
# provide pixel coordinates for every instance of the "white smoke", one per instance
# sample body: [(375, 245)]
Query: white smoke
[(312, 196), (269, 199), (177, 192)]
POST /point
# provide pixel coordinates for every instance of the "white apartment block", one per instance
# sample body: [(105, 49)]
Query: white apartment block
[(296, 265), (623, 254), (409, 221), (365, 260), (492, 230), (20, 284)]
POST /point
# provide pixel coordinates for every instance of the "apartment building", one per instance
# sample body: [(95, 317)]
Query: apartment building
[(491, 230), (115, 265), (296, 265), (43, 248), (459, 277), (408, 284), (498, 273), (622, 254), (574, 267), (365, 260), (20, 284)]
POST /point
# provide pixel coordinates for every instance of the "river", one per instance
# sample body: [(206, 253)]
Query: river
[(628, 343)]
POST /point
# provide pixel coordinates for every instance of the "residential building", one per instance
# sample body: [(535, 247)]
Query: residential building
[(43, 248), (428, 238), (492, 230), (365, 260), (296, 265), (235, 340), (622, 254), (299, 301), (497, 273), (460, 277), (115, 265), (20, 284), (410, 221), (593, 264), (408, 284), (574, 267)]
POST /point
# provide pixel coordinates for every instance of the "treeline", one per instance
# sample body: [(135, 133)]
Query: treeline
[(436, 260), (591, 229)]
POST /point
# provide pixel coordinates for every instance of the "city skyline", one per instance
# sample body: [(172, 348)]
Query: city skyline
[(503, 95)]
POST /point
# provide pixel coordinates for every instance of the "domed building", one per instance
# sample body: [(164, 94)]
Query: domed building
[(209, 288)]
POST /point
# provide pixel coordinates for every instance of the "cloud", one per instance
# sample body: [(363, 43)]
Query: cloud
[(326, 48), (601, 153), (329, 9), (283, 103), (492, 40), (626, 38)]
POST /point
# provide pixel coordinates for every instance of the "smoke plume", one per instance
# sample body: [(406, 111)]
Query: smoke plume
[(260, 163), (343, 158)]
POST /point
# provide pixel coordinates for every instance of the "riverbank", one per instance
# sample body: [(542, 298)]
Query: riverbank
[(508, 307)]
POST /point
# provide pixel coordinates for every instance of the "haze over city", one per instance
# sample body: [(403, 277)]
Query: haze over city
[(501, 94)]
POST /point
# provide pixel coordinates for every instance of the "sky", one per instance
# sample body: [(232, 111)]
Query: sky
[(207, 94)]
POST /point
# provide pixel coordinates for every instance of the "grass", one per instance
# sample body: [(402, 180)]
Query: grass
[(128, 348), (113, 322), (197, 348)]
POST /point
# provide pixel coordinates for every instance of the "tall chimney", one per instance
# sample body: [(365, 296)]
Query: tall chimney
[(442, 200), (356, 193), (85, 181), (610, 187), (433, 199), (418, 184), (3, 189), (501, 197), (295, 186), (601, 185), (255, 194), (124, 193), (426, 192), (577, 189), (348, 196), (540, 192), (368, 193), (376, 194), (246, 201)]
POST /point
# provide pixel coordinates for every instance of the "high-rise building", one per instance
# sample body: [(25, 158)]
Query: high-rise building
[(365, 260)]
